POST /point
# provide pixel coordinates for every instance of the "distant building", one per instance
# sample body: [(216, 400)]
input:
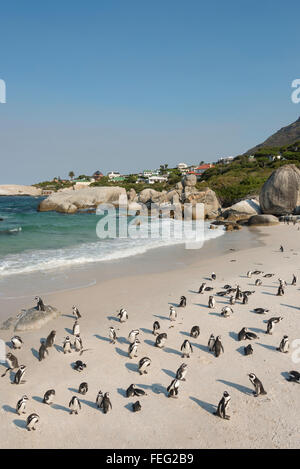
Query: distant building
[(183, 168), (113, 175), (226, 160), (199, 170), (97, 175), (251, 157), (153, 179), (150, 172)]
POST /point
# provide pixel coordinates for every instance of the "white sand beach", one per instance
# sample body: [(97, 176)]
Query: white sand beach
[(270, 421)]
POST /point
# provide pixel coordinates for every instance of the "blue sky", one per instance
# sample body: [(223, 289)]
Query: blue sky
[(130, 84)]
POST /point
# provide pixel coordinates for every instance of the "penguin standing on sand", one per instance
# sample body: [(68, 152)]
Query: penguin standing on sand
[(182, 303), (136, 407), (280, 291), (271, 324), (50, 339), (79, 365), (259, 389), (249, 274), (67, 345), (43, 352), (211, 302), (49, 397), (245, 299), (281, 249), (40, 304), (106, 403), (144, 364), (21, 405), (99, 399), (195, 332), (202, 288), (74, 405), (218, 347), (78, 343), (133, 335), (122, 315), (186, 349), (76, 328), (112, 335), (76, 312), (258, 282), (213, 276), (223, 406), (156, 328), (211, 342), (238, 294), (172, 389), (19, 375), (12, 362), (83, 388), (284, 345), (181, 372), (232, 300), (226, 311), (161, 340), (294, 281), (16, 342), (133, 348), (172, 314), (32, 421)]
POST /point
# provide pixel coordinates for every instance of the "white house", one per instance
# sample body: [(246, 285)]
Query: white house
[(113, 174), (153, 179), (226, 160)]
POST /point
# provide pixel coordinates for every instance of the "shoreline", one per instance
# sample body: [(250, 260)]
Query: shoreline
[(255, 422)]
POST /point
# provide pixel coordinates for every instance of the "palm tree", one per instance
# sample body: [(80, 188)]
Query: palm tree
[(71, 174)]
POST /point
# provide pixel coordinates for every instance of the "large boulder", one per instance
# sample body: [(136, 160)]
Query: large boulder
[(189, 180), (263, 220), (32, 318), (280, 194), (205, 196), (242, 210), (70, 201), (13, 189), (151, 196)]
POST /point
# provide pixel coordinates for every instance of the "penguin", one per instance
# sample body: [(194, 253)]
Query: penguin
[(213, 276), (294, 280), (222, 293), (284, 345), (248, 350), (133, 348), (43, 351), (19, 375), (271, 324), (251, 335), (161, 340), (83, 388), (227, 287), (32, 421), (218, 347), (186, 349), (268, 275), (181, 372), (211, 302), (208, 288), (249, 274), (226, 311), (106, 403), (238, 294), (156, 328), (99, 399), (122, 315), (280, 291), (172, 389), (258, 282), (76, 328), (49, 396), (50, 339), (112, 335), (259, 389), (182, 303), (294, 376), (21, 405), (133, 335), (245, 334), (136, 406), (261, 310), (76, 312), (202, 287), (211, 342), (144, 364), (232, 300), (172, 314), (134, 391), (245, 299), (40, 304), (248, 292), (257, 272), (282, 282), (195, 332), (223, 406), (78, 343), (12, 362), (67, 345), (16, 342), (74, 405), (281, 249), (79, 365)]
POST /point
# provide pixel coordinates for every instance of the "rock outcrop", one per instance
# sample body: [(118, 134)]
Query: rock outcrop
[(263, 220), (242, 210), (280, 194), (71, 201), (32, 319), (13, 189)]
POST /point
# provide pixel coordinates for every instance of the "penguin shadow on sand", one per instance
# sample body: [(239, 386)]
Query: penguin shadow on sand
[(172, 350), (289, 306), (100, 337), (113, 318), (169, 373), (285, 375), (122, 392), (38, 399), (192, 291), (185, 333), (9, 345), (234, 336), (147, 331), (91, 404), (20, 423), (122, 340), (35, 353), (238, 387), (201, 305), (121, 352), (210, 408), (69, 331), (202, 347), (68, 316), (129, 406), (164, 318), (268, 347), (150, 342), (8, 408), (257, 330), (212, 313), (156, 388), (176, 305), (60, 407), (58, 348), (241, 350), (268, 293), (132, 366), (73, 390)]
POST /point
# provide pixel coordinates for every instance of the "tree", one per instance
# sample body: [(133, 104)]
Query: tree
[(71, 174)]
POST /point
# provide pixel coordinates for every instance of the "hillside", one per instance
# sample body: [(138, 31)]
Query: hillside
[(285, 136)]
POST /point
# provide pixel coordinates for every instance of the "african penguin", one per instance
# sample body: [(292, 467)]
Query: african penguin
[(12, 362), (16, 342), (67, 345), (43, 351), (21, 405), (19, 375), (156, 328), (211, 302), (172, 389), (76, 312), (218, 347), (186, 349), (259, 389), (50, 339), (284, 345), (83, 388), (195, 332), (32, 421), (182, 303), (122, 315), (144, 364), (172, 314), (40, 304), (211, 342), (79, 365), (106, 403), (223, 406), (112, 335), (161, 340), (133, 335), (74, 405), (181, 372), (134, 391), (49, 397), (133, 348), (76, 328)]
